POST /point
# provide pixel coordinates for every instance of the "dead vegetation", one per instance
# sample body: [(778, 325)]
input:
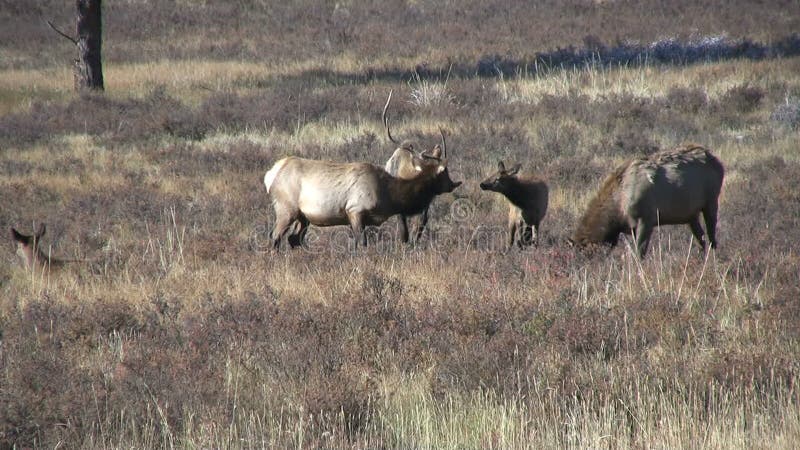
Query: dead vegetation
[(194, 335)]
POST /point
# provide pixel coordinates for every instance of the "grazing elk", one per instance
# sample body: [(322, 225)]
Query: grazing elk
[(324, 193), (402, 164), (30, 250), (527, 197), (667, 188)]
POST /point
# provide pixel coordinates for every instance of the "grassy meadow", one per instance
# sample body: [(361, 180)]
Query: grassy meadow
[(180, 327)]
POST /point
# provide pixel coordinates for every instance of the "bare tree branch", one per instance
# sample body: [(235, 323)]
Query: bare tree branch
[(73, 40)]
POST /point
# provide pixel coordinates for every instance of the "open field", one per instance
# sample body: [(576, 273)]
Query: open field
[(181, 328)]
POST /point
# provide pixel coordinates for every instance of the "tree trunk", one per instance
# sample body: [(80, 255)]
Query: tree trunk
[(88, 66)]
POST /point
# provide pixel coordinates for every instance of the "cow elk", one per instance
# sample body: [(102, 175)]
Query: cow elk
[(403, 164), (309, 192), (527, 198), (29, 248), (667, 188)]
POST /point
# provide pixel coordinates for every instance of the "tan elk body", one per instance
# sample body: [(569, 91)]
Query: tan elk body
[(527, 197), (667, 188), (29, 249), (324, 193)]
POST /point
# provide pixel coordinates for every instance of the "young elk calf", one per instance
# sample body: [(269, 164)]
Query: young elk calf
[(30, 250), (667, 188), (527, 197)]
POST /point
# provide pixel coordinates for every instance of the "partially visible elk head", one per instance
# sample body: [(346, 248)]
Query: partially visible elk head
[(436, 159), (499, 181), (437, 152), (28, 247), (407, 164), (438, 168)]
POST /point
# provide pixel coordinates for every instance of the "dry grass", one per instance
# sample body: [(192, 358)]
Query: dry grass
[(178, 328)]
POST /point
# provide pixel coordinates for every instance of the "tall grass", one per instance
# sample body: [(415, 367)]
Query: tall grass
[(178, 328)]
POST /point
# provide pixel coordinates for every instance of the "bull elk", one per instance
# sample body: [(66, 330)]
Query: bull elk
[(527, 198), (309, 192), (29, 248), (403, 163), (667, 188)]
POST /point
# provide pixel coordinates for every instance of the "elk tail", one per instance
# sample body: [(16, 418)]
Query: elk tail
[(269, 178)]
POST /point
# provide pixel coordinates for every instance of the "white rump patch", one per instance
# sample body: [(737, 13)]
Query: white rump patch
[(269, 178)]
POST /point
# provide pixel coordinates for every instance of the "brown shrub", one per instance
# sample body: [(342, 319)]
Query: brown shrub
[(186, 159), (133, 205), (761, 209), (757, 370), (629, 111), (588, 331), (575, 172), (635, 142), (117, 121), (687, 99), (493, 142), (286, 107), (576, 106), (45, 389), (741, 99)]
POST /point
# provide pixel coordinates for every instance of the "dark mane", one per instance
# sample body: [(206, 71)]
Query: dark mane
[(413, 196), (602, 222)]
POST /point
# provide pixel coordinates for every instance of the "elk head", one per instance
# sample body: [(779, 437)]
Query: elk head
[(436, 159), (27, 247), (500, 180)]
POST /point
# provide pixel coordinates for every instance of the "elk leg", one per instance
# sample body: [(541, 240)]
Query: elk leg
[(526, 236), (512, 231), (297, 237), (697, 231), (404, 228), (303, 232), (282, 223), (423, 222), (643, 232), (359, 231), (710, 217)]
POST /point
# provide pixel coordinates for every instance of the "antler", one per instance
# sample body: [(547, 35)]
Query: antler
[(385, 120), (444, 145)]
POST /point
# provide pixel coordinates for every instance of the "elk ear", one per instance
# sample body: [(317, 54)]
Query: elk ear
[(16, 236), (436, 152), (500, 166), (515, 169)]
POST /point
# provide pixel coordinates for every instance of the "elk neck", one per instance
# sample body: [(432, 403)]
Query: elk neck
[(414, 195), (516, 193)]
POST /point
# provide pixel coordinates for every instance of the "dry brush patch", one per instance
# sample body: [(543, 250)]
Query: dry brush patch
[(189, 333), (218, 351)]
